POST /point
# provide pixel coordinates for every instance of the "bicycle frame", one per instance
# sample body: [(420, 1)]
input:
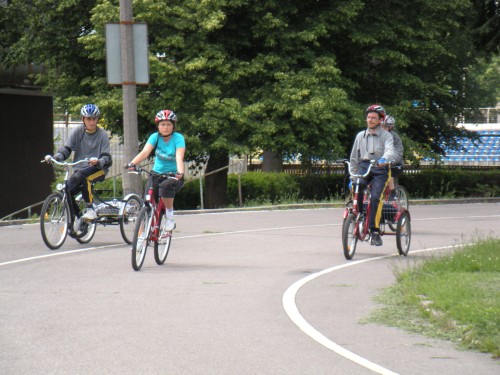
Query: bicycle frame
[(157, 208), (360, 221), (361, 234), (156, 211)]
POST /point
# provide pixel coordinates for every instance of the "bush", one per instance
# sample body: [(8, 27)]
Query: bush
[(321, 187), (276, 188), (439, 183), (263, 187)]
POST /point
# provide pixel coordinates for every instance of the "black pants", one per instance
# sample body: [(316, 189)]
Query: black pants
[(82, 181), (379, 178), (164, 187), (396, 171)]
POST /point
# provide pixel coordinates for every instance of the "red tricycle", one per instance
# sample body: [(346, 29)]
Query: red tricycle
[(395, 216)]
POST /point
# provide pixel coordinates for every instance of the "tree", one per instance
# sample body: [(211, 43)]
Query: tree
[(291, 77), (242, 75), (397, 52), (48, 32)]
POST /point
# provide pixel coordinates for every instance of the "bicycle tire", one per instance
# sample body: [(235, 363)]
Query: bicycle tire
[(54, 220), (403, 234), (162, 245), (141, 237), (349, 239), (131, 209), (89, 233)]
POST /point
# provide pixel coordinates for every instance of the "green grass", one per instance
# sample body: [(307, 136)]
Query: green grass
[(455, 297)]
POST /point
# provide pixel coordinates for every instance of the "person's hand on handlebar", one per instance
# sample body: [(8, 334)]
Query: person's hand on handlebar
[(179, 176), (131, 167), (56, 157), (382, 162), (93, 161)]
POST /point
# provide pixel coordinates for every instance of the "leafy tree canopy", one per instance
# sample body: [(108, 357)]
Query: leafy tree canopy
[(291, 76)]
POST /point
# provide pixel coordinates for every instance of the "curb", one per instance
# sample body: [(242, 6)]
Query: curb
[(294, 206)]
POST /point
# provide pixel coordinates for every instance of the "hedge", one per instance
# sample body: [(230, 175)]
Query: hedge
[(275, 188)]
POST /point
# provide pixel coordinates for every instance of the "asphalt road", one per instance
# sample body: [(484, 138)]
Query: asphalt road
[(265, 292)]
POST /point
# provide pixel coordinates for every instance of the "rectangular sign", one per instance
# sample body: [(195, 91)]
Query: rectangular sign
[(114, 58)]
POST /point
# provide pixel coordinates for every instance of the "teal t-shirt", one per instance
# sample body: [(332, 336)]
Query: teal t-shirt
[(165, 152)]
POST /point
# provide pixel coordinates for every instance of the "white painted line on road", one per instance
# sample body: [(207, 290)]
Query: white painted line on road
[(456, 217), (227, 233), (293, 313), (176, 239), (58, 254), (257, 230)]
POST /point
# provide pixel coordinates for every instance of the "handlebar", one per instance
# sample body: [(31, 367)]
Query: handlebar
[(138, 170), (65, 163), (373, 163)]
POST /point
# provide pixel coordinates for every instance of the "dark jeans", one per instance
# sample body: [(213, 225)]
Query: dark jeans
[(379, 178)]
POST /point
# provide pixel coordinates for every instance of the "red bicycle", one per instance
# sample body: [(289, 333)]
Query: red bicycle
[(150, 227), (355, 227)]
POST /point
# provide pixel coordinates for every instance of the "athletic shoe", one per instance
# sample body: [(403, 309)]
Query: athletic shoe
[(376, 240), (77, 225), (170, 224), (89, 214)]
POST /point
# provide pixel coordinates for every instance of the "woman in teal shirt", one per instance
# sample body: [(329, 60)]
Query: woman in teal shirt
[(169, 147)]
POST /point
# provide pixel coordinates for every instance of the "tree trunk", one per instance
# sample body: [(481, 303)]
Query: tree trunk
[(272, 162), (216, 184)]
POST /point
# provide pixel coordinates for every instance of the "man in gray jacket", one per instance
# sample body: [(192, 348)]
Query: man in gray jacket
[(88, 141), (373, 143)]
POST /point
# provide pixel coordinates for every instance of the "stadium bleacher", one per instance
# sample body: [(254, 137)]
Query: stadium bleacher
[(486, 151)]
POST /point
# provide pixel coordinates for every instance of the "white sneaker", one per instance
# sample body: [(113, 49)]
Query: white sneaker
[(170, 224), (89, 214), (77, 225)]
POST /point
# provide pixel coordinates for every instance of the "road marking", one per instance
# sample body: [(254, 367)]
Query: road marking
[(226, 233), (176, 239), (58, 254), (293, 313)]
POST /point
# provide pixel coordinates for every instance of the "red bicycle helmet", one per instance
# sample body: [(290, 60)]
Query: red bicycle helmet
[(376, 108), (166, 114)]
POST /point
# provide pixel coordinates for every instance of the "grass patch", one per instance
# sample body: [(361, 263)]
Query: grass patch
[(455, 297)]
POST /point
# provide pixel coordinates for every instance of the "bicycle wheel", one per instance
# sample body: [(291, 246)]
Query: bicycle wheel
[(141, 237), (162, 245), (54, 220), (402, 197), (403, 234), (131, 209), (349, 239)]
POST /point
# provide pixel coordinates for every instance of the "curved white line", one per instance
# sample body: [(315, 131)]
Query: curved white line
[(295, 316)]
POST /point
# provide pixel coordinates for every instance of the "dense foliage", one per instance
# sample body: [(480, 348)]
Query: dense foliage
[(288, 76)]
